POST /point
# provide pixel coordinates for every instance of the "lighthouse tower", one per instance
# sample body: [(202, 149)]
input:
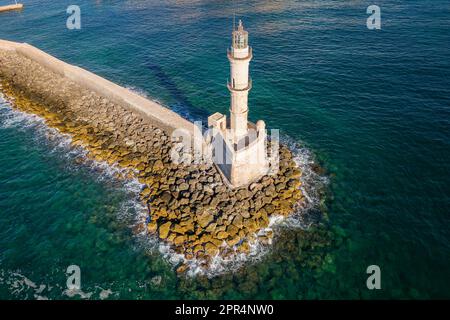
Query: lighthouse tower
[(239, 146), (240, 84)]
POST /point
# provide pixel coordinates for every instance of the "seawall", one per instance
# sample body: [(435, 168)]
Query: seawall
[(155, 113)]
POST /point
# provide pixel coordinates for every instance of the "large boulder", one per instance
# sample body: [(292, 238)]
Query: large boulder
[(164, 230)]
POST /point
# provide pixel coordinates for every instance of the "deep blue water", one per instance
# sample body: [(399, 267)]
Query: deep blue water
[(373, 106)]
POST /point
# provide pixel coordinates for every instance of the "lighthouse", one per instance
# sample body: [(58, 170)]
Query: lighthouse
[(238, 146)]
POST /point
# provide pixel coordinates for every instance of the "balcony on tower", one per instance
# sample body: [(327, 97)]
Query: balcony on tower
[(232, 85)]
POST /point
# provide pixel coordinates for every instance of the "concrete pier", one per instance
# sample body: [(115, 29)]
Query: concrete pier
[(18, 6), (157, 114)]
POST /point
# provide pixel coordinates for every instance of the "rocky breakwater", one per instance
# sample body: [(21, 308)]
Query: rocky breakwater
[(190, 207)]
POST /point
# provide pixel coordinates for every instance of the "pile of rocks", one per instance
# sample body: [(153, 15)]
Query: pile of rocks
[(190, 207)]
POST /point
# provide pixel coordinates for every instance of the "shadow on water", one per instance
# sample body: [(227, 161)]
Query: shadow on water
[(183, 105)]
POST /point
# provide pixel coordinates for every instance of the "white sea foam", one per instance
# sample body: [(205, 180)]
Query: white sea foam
[(138, 91), (312, 184), (15, 119), (21, 287)]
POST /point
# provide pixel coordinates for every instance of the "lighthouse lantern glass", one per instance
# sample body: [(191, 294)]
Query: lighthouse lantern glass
[(240, 40)]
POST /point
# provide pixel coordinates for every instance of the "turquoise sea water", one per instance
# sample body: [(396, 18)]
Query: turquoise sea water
[(372, 106)]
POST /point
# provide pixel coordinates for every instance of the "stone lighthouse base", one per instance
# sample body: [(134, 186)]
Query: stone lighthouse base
[(241, 161)]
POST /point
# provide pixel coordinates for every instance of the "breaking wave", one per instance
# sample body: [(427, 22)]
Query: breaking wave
[(313, 185), (21, 287)]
